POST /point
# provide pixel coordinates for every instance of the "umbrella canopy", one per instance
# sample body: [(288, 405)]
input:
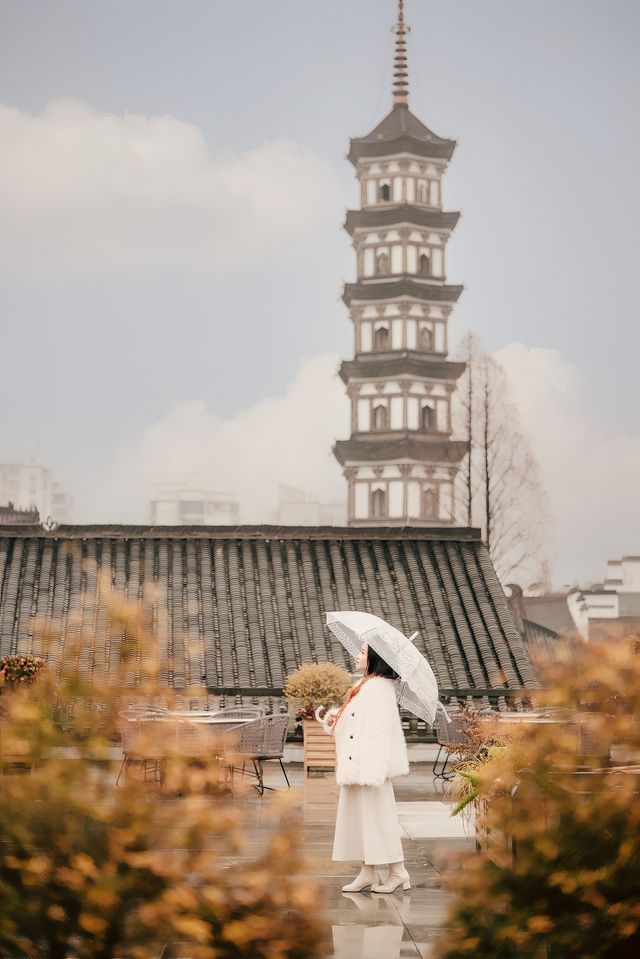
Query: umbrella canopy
[(417, 688)]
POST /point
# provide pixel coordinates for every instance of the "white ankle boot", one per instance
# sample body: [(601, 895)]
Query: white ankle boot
[(398, 876), (365, 878)]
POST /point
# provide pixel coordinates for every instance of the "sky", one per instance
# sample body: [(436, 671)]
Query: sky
[(173, 185)]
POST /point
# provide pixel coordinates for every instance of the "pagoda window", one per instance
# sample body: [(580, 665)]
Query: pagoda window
[(430, 504), (382, 263), (426, 339), (381, 338), (378, 503), (422, 195), (384, 192), (380, 417), (424, 265), (427, 419)]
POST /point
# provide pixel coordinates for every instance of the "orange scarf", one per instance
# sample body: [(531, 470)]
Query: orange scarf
[(350, 695)]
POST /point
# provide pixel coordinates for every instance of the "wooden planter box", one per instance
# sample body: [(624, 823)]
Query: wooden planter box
[(319, 748), (496, 844)]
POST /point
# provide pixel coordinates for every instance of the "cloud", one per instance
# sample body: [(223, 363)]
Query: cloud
[(590, 472), (285, 439), (87, 192), (591, 469)]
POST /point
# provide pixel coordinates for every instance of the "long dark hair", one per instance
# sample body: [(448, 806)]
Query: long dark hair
[(377, 666)]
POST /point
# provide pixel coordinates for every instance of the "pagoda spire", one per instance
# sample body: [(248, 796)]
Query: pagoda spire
[(400, 70)]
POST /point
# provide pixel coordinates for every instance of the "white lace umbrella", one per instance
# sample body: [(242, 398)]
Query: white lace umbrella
[(417, 688)]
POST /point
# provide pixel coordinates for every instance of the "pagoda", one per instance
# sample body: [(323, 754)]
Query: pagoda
[(400, 461)]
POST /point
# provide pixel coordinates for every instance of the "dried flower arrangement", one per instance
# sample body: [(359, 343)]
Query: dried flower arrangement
[(316, 684)]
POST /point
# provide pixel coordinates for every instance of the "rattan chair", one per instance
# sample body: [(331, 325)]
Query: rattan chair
[(274, 742), (147, 738), (261, 740), (449, 732), (194, 738)]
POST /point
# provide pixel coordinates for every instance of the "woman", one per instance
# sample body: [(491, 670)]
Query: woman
[(370, 750)]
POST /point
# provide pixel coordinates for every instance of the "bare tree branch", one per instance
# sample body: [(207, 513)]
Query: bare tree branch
[(500, 489)]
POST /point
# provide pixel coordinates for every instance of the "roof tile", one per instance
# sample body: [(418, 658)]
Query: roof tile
[(239, 608)]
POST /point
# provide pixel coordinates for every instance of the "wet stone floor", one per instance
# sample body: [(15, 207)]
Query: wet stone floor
[(362, 925), (365, 925)]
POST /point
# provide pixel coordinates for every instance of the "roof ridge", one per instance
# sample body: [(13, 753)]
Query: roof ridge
[(122, 531)]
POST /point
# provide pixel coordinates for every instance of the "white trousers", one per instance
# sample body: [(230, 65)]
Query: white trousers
[(367, 827)]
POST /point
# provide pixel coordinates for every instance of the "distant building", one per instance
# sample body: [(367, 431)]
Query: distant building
[(610, 608), (183, 504), (299, 508), (401, 459), (29, 486), (10, 516), (607, 609)]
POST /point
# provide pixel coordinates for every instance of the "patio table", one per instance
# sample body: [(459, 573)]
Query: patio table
[(521, 718), (165, 733), (211, 719)]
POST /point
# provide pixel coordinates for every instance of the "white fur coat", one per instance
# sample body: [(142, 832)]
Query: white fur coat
[(370, 744)]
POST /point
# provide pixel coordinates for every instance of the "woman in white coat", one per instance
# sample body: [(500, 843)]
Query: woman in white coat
[(370, 751)]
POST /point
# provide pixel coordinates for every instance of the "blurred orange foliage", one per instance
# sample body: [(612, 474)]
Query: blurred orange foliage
[(88, 870), (564, 878)]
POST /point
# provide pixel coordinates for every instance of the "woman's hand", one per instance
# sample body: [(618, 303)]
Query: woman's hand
[(326, 717)]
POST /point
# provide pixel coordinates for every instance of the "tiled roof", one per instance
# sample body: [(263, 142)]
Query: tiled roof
[(399, 363), (244, 606), (401, 131), (551, 611), (391, 215), (381, 447), (405, 285)]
